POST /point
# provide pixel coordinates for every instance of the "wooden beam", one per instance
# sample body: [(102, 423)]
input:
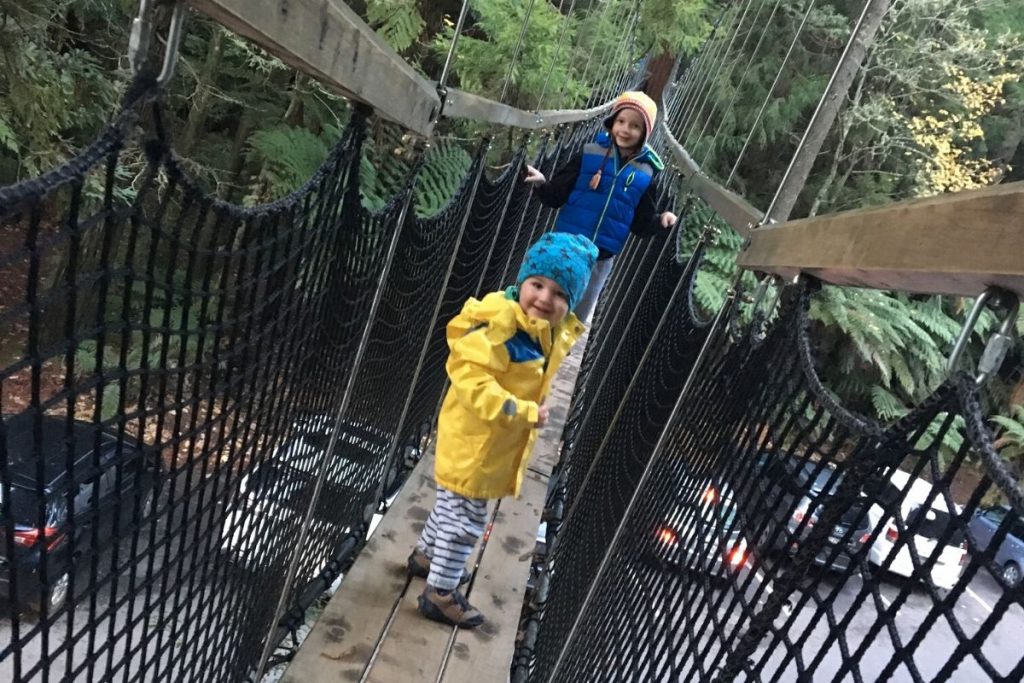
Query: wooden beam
[(740, 214), (328, 41), (459, 104), (952, 244)]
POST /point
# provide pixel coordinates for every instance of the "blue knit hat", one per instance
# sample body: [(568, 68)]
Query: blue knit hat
[(563, 257)]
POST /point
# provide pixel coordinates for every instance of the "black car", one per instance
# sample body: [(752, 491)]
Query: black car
[(702, 531), (111, 490), (850, 535)]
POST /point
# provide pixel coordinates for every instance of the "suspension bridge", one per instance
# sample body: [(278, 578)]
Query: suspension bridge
[(239, 499)]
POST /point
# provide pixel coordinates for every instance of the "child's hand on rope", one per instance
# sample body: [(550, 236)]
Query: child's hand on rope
[(533, 176), (668, 219), (542, 416)]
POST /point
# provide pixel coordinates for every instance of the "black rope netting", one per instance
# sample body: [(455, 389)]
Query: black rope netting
[(202, 405), (771, 526), (182, 376)]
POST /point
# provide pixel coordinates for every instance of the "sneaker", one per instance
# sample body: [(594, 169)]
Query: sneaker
[(451, 608), (418, 565)]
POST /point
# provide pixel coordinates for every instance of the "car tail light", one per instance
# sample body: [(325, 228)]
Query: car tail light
[(865, 537), (667, 536), (27, 538), (710, 495), (737, 556), (892, 534), (799, 515)]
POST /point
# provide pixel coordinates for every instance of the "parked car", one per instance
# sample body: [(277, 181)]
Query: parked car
[(45, 541), (850, 535), (702, 531), (1010, 556), (273, 495), (782, 492), (933, 525)]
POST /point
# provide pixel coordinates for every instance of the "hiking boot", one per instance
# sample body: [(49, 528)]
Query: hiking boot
[(418, 565), (450, 608)]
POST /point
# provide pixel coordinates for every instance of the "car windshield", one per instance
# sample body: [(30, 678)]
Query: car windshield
[(996, 515)]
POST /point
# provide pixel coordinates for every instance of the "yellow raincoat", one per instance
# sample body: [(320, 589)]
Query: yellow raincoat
[(486, 428)]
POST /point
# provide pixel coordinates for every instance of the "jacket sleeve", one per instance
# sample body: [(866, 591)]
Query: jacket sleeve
[(474, 360), (555, 192), (647, 219)]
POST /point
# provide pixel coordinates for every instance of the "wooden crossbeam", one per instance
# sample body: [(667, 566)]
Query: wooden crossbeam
[(328, 41), (460, 104), (951, 244)]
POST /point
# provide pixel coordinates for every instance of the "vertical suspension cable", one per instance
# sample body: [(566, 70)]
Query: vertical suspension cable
[(705, 66), (743, 77), (659, 447), (768, 95), (593, 48), (340, 412), (515, 55), (707, 89), (442, 81), (558, 49), (607, 69)]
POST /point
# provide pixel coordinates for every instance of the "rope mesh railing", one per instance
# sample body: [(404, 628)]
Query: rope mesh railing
[(205, 404), (171, 398), (772, 528)]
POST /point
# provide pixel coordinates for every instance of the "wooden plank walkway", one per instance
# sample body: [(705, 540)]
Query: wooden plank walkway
[(371, 630)]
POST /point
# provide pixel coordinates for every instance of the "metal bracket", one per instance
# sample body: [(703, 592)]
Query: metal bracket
[(142, 33), (999, 343)]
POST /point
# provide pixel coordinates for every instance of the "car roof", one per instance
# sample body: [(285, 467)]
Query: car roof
[(17, 436), (918, 489)]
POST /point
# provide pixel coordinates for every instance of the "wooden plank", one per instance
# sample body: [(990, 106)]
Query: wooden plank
[(740, 214), (484, 655), (326, 40), (951, 244), (343, 638), (459, 104), (415, 646)]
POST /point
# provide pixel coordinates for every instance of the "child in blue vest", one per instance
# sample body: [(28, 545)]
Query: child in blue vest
[(608, 190)]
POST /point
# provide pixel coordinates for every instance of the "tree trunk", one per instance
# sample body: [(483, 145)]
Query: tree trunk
[(204, 90), (659, 72), (293, 115), (826, 188), (238, 157), (828, 109)]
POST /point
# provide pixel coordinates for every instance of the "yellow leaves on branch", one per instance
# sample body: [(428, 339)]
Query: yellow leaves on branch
[(946, 137)]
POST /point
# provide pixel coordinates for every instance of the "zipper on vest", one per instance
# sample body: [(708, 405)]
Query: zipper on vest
[(608, 201)]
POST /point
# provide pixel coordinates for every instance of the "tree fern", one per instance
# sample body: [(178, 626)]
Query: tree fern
[(444, 168), (290, 156), (396, 21)]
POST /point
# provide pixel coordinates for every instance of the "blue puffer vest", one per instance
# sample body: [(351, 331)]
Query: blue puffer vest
[(604, 215)]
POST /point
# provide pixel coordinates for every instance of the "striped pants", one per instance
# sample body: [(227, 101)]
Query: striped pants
[(448, 538)]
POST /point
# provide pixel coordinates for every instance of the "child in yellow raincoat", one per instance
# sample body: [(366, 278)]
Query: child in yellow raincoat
[(504, 351)]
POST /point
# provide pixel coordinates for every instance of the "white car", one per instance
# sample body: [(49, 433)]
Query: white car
[(932, 530), (273, 496)]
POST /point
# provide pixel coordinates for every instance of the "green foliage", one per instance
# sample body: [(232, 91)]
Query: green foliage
[(290, 156), (444, 168), (397, 21)]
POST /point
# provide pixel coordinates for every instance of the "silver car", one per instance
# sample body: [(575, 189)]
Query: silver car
[(1010, 556)]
